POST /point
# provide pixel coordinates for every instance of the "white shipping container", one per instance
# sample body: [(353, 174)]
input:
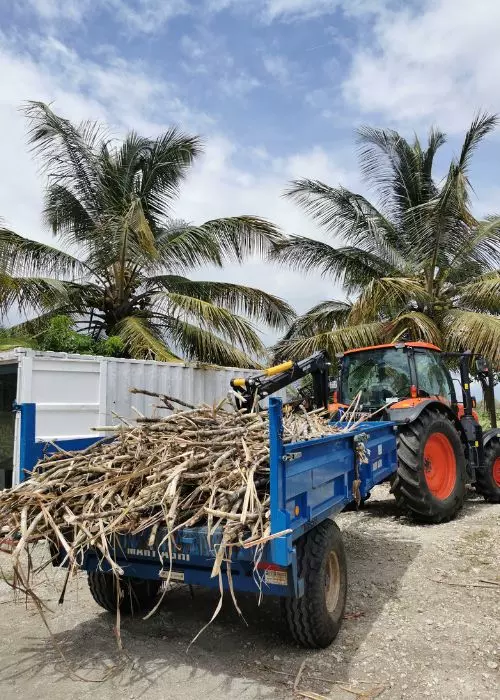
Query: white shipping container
[(75, 393)]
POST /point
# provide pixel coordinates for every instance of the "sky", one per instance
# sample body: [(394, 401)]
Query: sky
[(276, 88)]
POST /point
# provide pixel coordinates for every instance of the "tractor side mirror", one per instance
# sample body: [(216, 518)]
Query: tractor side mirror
[(473, 401), (482, 365)]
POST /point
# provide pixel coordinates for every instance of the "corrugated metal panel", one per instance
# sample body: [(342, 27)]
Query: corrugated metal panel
[(75, 393), (192, 384)]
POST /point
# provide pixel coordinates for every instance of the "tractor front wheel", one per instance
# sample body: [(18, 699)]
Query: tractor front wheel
[(431, 475), (488, 477)]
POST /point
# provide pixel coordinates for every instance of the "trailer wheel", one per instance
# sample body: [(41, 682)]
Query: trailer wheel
[(488, 479), (136, 594), (431, 475), (314, 619)]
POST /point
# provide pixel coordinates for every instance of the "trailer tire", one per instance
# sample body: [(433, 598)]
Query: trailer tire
[(137, 595), (431, 476), (488, 479), (314, 620)]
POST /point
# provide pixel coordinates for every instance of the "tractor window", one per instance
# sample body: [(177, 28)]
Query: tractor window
[(433, 379), (380, 375)]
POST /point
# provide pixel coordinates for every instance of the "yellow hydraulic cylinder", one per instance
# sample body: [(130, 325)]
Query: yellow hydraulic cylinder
[(278, 368)]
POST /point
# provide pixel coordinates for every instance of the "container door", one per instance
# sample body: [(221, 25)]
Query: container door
[(8, 388)]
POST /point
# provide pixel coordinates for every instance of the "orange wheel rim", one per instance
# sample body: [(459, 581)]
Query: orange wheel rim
[(496, 471), (440, 465)]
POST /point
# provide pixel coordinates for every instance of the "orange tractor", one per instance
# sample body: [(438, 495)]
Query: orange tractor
[(441, 444)]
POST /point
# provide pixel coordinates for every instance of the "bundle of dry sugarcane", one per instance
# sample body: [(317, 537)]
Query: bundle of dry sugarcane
[(206, 465)]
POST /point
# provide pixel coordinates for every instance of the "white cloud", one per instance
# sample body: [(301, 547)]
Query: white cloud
[(437, 62), (299, 8), (291, 10), (278, 67), (192, 48), (121, 93), (145, 16), (218, 187), (51, 10), (138, 16), (116, 92), (238, 84)]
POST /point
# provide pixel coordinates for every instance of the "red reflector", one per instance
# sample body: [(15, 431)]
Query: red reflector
[(270, 567), (413, 391)]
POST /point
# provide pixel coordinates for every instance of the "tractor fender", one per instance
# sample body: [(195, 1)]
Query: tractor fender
[(408, 410), (490, 435)]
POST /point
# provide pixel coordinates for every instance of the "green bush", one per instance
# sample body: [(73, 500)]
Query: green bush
[(59, 335)]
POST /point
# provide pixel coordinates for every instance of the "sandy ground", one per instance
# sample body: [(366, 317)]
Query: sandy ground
[(408, 632)]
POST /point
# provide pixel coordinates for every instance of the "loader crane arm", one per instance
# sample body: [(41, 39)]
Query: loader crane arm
[(251, 390)]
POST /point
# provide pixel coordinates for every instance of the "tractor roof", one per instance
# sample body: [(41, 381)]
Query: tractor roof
[(416, 344)]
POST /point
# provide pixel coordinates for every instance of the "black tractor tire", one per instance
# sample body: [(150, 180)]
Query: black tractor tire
[(412, 487), (488, 479), (136, 595), (314, 620)]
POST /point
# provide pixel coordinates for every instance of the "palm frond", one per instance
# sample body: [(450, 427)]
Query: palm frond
[(22, 256), (66, 151), (482, 124), (351, 265), (185, 246), (196, 343), (350, 216), (321, 318), (68, 218), (414, 325), (479, 333), (239, 237), (333, 341), (164, 163), (182, 247), (436, 139), (477, 253), (30, 294), (142, 340), (387, 296), (398, 171), (248, 301), (482, 294), (213, 319)]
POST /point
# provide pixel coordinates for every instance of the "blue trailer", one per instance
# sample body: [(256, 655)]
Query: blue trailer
[(310, 483)]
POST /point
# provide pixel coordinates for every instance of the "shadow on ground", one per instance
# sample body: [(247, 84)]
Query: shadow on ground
[(384, 506), (229, 656)]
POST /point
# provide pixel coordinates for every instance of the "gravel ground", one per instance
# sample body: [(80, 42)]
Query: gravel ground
[(408, 632)]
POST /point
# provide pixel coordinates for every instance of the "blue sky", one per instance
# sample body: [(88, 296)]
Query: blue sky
[(276, 88)]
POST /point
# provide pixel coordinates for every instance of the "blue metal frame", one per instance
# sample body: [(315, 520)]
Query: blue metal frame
[(32, 450), (309, 482)]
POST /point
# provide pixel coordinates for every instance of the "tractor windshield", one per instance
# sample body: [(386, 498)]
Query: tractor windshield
[(381, 375)]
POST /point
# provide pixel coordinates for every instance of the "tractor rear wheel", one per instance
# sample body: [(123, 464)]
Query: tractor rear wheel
[(431, 475), (135, 595), (488, 479)]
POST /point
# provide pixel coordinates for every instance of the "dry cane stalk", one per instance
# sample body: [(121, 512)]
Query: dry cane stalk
[(203, 466)]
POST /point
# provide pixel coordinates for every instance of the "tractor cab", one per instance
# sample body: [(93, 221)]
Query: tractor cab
[(387, 375)]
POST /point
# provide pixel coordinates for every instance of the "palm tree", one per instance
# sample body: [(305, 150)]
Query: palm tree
[(416, 265), (123, 258)]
